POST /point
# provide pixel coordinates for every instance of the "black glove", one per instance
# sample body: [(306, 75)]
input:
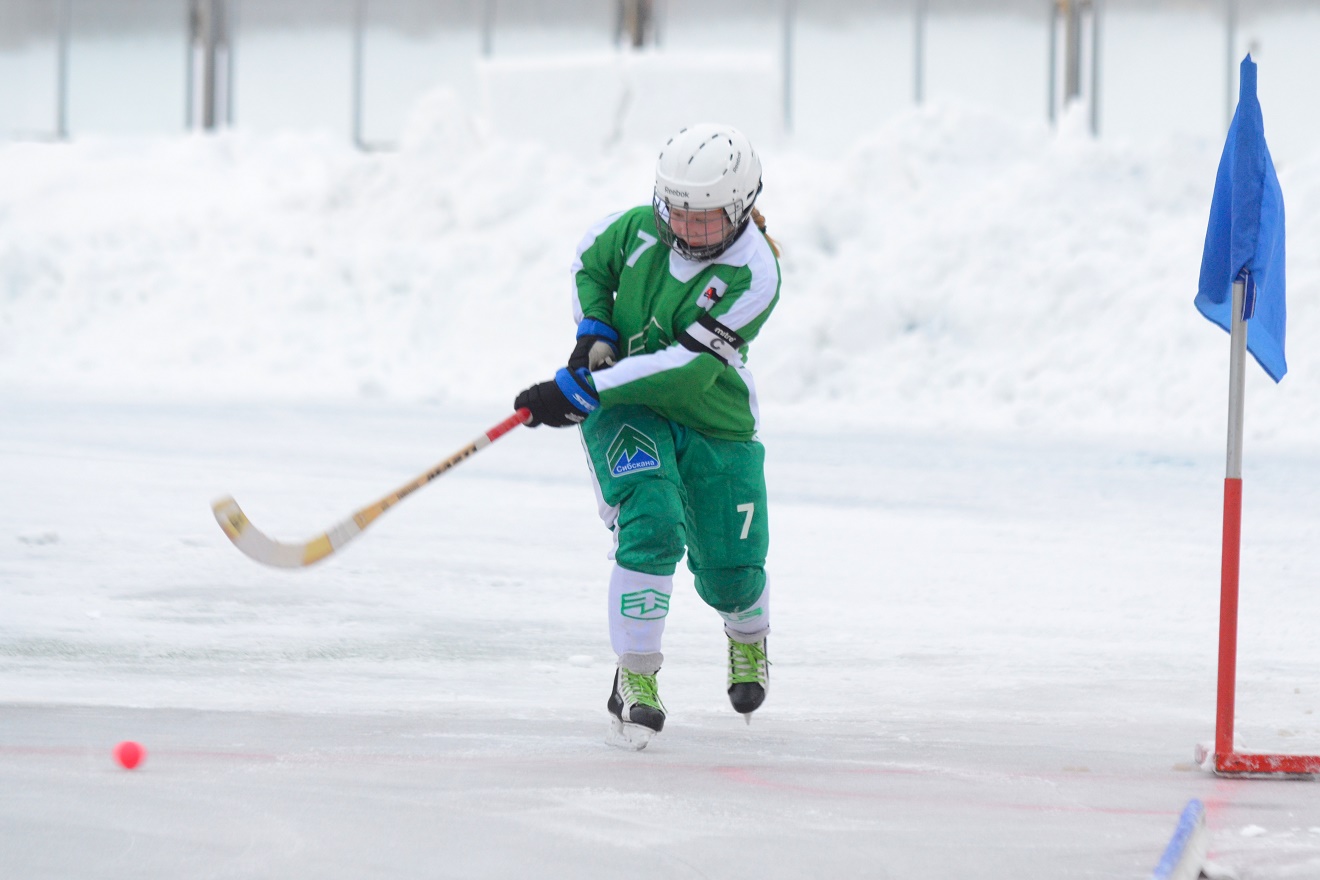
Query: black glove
[(597, 346), (565, 400)]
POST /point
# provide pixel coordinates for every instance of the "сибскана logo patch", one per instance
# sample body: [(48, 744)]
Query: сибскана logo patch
[(631, 451)]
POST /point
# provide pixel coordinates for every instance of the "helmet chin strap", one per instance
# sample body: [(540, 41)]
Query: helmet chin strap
[(760, 185), (741, 222)]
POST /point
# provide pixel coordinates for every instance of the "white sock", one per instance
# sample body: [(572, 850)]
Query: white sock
[(638, 606), (752, 624), (646, 664)]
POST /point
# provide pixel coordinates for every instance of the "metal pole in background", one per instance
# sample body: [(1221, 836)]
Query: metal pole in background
[(190, 71), (230, 28), (199, 29), (919, 51), (1052, 109), (1097, 8), (1075, 27), (634, 23), (487, 28), (359, 25), (790, 13), (224, 114), (1230, 57), (209, 79), (209, 68), (64, 26), (1072, 71)]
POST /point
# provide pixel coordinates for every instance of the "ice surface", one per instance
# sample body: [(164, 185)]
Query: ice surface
[(992, 657)]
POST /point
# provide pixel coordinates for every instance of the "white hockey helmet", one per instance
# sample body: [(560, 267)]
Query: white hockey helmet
[(704, 168)]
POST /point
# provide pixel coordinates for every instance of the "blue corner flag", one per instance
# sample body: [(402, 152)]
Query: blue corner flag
[(1245, 237)]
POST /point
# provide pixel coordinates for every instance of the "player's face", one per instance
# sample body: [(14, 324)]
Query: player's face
[(699, 228)]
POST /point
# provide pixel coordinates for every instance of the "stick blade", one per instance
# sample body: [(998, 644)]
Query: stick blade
[(1184, 857), (256, 546)]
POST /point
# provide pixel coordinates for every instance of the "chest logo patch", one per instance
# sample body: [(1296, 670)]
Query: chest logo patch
[(713, 293), (652, 338), (632, 451)]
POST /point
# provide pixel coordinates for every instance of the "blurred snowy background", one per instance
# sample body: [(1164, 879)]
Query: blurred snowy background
[(994, 424), (975, 257), (994, 430)]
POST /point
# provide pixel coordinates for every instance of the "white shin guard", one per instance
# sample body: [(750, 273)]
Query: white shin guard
[(638, 606), (752, 624)]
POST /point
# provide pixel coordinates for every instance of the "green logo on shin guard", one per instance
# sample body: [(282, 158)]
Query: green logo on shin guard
[(740, 616), (631, 451), (644, 605)]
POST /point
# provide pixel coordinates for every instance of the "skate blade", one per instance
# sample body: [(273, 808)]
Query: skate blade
[(626, 735)]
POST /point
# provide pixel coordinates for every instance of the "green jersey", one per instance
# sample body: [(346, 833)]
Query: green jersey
[(684, 326)]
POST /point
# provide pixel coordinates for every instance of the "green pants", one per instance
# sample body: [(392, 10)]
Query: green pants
[(666, 487)]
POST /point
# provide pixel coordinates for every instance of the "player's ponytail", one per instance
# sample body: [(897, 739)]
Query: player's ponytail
[(759, 220)]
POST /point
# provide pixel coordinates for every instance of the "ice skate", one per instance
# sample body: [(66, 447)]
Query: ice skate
[(749, 676), (634, 704)]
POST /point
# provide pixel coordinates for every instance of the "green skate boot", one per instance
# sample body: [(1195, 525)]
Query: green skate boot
[(634, 702), (749, 676)]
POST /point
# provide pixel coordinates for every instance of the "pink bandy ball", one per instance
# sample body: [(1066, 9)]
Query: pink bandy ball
[(129, 754)]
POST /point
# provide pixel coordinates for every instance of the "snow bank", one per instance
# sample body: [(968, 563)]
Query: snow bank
[(960, 268), (954, 270)]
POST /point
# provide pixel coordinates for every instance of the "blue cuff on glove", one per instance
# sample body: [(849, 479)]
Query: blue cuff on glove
[(576, 387), (592, 327)]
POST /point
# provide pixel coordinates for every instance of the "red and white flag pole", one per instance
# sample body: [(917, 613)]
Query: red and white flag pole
[(1232, 546), (1227, 761)]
